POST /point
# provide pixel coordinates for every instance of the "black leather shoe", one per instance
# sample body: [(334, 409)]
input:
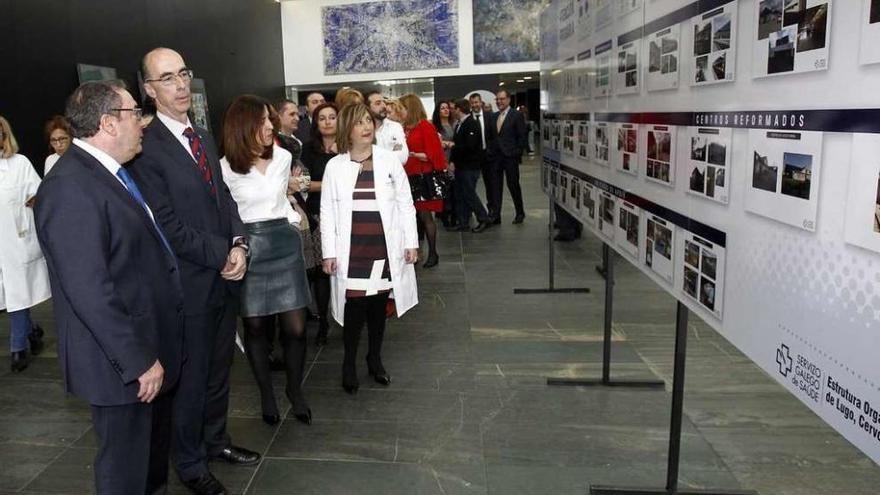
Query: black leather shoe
[(432, 260), (350, 380), (20, 361), (480, 227), (496, 220), (207, 484), (238, 455), (36, 340), (271, 419), (519, 218), (382, 378), (304, 416)]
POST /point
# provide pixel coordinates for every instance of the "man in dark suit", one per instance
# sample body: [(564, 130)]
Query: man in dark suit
[(179, 172), (116, 291), (468, 158), (507, 151), (487, 137), (304, 132)]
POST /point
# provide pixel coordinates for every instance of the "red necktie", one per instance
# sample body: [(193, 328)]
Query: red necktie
[(198, 152)]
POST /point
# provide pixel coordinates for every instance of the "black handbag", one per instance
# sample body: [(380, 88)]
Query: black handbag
[(430, 186)]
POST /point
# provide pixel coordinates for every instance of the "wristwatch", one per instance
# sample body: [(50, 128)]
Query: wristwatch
[(241, 242)]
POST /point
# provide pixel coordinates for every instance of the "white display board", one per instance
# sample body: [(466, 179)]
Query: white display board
[(768, 227)]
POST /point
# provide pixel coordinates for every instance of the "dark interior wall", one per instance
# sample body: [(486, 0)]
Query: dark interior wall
[(234, 45)]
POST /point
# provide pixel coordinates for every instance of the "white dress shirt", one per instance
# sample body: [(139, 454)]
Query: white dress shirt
[(262, 196), (481, 119), (109, 163), (50, 162), (177, 129), (390, 136)]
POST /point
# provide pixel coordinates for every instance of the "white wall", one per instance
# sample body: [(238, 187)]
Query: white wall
[(304, 48)]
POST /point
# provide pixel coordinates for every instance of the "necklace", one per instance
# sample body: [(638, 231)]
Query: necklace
[(361, 163)]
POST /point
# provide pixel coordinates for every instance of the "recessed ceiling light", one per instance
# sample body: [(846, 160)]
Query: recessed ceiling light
[(501, 83), (527, 78), (519, 80)]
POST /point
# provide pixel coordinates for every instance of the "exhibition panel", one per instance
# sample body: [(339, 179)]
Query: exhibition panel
[(753, 200)]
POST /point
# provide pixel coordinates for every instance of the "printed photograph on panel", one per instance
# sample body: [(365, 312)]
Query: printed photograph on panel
[(792, 37), (690, 282), (874, 16), (764, 173), (769, 17), (877, 204), (796, 174)]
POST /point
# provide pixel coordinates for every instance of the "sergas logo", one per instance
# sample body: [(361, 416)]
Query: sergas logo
[(783, 359)]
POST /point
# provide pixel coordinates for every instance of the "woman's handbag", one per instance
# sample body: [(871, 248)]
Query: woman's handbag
[(430, 186)]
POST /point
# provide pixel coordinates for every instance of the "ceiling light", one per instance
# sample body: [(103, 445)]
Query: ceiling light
[(501, 83), (519, 80), (527, 78)]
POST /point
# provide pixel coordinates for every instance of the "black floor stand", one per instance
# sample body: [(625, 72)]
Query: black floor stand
[(606, 380), (671, 488), (600, 269), (551, 288)]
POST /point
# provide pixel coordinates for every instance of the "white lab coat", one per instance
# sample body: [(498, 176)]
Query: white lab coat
[(24, 277), (398, 221)]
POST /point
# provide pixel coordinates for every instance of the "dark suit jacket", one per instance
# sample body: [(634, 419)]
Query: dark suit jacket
[(468, 154), (304, 131), (116, 290), (199, 226), (512, 140)]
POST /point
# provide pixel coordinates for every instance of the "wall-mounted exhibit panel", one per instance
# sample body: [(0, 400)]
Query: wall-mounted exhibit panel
[(753, 200)]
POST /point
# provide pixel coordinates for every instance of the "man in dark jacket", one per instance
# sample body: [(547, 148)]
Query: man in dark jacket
[(116, 291), (506, 151), (468, 158)]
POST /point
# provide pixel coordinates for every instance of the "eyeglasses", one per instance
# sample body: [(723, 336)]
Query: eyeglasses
[(59, 140), (137, 112), (185, 76)]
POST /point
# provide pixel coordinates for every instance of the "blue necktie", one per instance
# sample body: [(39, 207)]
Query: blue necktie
[(138, 197)]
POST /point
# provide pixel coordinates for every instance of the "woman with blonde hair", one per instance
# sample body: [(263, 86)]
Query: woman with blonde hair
[(347, 96), (425, 157), (368, 238), (395, 111), (24, 276)]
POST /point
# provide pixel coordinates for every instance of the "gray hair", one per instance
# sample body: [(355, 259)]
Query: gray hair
[(89, 102)]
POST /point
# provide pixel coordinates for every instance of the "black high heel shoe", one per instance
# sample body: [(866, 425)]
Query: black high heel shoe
[(379, 374), (271, 419), (20, 361), (432, 260), (304, 416), (321, 337), (349, 380), (36, 340)]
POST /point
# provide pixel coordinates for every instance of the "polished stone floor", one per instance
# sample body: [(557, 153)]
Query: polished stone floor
[(469, 412)]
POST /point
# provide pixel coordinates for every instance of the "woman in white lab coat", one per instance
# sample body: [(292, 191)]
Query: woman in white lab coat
[(368, 238), (24, 278)]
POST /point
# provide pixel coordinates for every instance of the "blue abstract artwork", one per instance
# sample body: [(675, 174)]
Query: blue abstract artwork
[(396, 35), (506, 31)]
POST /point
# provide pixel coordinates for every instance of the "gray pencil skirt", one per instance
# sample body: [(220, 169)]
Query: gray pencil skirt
[(276, 280)]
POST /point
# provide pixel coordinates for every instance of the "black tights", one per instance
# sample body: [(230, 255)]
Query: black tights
[(321, 287), (427, 223), (360, 310), (257, 331)]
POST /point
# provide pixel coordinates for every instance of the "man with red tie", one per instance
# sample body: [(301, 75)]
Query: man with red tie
[(179, 172)]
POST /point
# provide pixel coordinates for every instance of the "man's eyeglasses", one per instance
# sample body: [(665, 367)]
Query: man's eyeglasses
[(185, 76), (137, 112)]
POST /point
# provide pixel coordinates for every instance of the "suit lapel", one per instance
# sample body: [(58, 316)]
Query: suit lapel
[(183, 157), (104, 176)]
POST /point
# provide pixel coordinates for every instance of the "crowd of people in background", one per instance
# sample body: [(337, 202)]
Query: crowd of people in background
[(156, 241)]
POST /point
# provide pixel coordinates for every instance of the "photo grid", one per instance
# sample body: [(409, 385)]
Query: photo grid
[(604, 12), (662, 48), (710, 150), (582, 80), (601, 147), (574, 195), (627, 235), (584, 22), (583, 140), (862, 220), (626, 158), (602, 80), (562, 190), (625, 7), (555, 137), (659, 246), (703, 270), (783, 176), (568, 137), (660, 147), (607, 206), (588, 203), (868, 53), (545, 132), (627, 74), (714, 49), (792, 36)]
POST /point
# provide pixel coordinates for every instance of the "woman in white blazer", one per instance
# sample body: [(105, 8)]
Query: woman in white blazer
[(369, 239), (24, 276)]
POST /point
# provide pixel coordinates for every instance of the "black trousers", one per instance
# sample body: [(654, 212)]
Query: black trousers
[(506, 167), (490, 175), (133, 446), (466, 195), (202, 398)]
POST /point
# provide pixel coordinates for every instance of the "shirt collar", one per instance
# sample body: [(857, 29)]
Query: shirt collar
[(174, 126), (106, 160)]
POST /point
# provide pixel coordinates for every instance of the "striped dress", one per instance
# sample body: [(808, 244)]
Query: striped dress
[(368, 269)]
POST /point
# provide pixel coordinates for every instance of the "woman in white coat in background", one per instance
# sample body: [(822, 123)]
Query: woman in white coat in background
[(369, 239), (24, 277)]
